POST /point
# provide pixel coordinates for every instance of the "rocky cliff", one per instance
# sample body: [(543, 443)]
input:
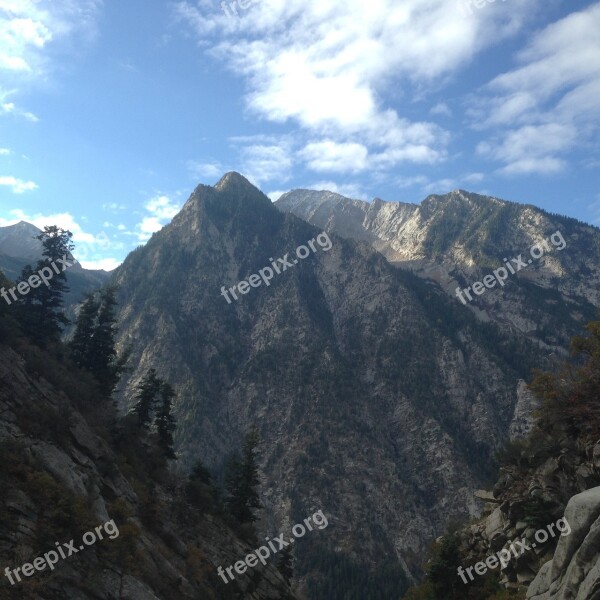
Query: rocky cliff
[(539, 535), (458, 238), (574, 570), (66, 468), (379, 400)]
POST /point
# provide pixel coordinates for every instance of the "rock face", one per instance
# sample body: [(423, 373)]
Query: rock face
[(379, 399), (539, 486), (574, 571), (523, 417), (458, 238), (59, 479)]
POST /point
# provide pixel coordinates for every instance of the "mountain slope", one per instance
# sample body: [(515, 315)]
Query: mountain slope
[(69, 467), (458, 238), (379, 400)]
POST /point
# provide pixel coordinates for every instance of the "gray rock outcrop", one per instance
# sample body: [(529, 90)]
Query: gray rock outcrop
[(574, 571)]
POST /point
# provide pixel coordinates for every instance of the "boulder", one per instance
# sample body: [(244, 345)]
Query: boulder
[(574, 571)]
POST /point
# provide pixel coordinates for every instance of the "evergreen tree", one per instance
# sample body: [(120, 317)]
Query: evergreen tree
[(41, 309), (106, 365), (165, 422), (80, 346), (200, 489), (442, 571), (241, 480), (571, 395), (94, 345), (147, 391), (285, 562)]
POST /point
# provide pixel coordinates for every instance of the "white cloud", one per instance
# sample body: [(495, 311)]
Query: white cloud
[(474, 177), (105, 264), (266, 162), (442, 186), (531, 148), (5, 151), (332, 156), (113, 206), (29, 30), (548, 104), (147, 227), (17, 186), (11, 108), (414, 180), (327, 66), (205, 170), (441, 109), (162, 209), (276, 194)]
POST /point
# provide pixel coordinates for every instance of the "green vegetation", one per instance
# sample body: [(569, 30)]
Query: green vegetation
[(342, 578), (93, 344), (41, 309), (570, 410), (241, 480), (84, 374)]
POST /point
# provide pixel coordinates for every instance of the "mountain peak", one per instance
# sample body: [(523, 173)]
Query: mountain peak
[(234, 182)]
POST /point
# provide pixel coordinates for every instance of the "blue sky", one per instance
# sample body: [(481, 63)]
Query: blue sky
[(112, 111)]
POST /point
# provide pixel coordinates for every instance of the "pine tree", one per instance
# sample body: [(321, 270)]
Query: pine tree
[(48, 299), (28, 307), (94, 343), (106, 366), (285, 564), (200, 489), (443, 568), (241, 480), (40, 311), (165, 422), (147, 391), (80, 346)]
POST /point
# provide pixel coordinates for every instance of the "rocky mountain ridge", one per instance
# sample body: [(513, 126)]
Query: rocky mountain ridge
[(379, 400), (458, 238)]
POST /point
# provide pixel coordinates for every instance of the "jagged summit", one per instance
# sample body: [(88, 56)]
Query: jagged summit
[(234, 182), (232, 195)]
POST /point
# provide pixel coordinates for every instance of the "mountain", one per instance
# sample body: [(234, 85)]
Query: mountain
[(18, 241), (379, 400), (18, 247), (459, 238), (71, 469)]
